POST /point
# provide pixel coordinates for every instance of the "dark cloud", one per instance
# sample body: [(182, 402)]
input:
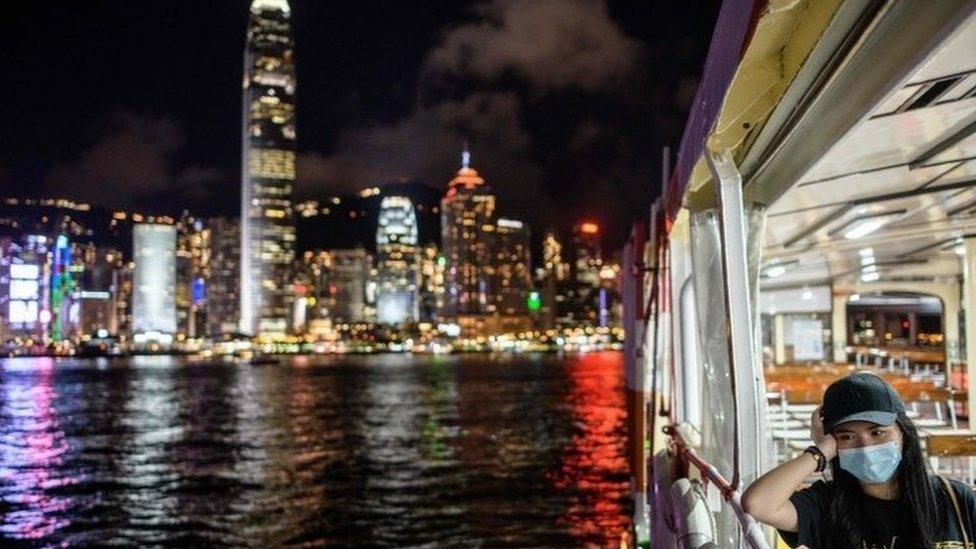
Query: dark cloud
[(131, 160), (375, 154), (528, 82), (427, 145), (548, 43)]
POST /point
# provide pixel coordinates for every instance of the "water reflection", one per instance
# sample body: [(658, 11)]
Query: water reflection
[(32, 445), (594, 463), (381, 451)]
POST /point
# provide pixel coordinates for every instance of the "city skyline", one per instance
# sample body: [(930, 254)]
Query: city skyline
[(474, 279), (170, 141), (178, 286)]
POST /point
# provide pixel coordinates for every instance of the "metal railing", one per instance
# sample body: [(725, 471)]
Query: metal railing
[(751, 530)]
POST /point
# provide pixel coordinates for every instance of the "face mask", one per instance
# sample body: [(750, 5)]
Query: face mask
[(872, 464)]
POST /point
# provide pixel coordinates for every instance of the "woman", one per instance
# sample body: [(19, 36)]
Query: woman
[(882, 496)]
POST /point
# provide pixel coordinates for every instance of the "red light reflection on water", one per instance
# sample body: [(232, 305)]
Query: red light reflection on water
[(594, 464), (31, 448)]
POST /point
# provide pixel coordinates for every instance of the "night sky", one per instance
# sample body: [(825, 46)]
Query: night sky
[(566, 103)]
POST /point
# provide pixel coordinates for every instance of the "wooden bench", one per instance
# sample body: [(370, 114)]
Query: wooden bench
[(794, 392), (951, 445), (953, 455)]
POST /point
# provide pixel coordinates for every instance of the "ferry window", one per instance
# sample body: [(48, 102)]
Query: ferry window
[(896, 319)]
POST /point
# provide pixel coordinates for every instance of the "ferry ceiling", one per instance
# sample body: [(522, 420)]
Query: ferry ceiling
[(854, 124)]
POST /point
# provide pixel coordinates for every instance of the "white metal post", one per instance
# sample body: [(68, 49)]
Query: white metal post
[(746, 377), (969, 303)]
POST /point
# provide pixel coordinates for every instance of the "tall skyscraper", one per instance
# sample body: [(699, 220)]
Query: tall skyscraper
[(223, 285), (97, 285), (268, 170), (467, 230), (347, 285), (315, 267), (552, 258), (552, 278), (432, 265), (513, 267), (124, 290), (154, 281), (589, 261), (192, 272), (397, 261), (24, 276), (62, 287)]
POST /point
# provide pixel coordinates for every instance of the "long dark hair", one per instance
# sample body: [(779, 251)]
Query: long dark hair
[(924, 517)]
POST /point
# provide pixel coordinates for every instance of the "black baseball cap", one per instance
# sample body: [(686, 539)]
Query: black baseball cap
[(860, 397)]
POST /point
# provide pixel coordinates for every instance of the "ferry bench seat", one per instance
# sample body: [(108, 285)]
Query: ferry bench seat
[(953, 455)]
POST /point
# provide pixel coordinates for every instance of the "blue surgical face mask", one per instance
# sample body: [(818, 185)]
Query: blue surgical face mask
[(872, 464)]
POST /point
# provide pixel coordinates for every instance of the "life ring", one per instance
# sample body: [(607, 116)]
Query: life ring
[(694, 527)]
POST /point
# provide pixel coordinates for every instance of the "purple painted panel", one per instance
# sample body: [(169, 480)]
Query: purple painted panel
[(732, 29)]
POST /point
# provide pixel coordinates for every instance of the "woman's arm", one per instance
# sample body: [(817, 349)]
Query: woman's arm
[(768, 498)]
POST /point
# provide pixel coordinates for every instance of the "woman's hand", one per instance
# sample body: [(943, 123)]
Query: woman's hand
[(825, 441)]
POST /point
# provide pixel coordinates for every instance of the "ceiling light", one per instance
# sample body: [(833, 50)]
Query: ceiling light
[(863, 227)]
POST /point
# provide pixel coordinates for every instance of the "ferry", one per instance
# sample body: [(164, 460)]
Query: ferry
[(819, 218)]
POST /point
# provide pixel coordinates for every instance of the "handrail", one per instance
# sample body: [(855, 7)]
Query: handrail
[(751, 530)]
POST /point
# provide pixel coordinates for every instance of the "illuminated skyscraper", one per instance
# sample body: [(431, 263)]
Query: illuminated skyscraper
[(223, 290), (97, 285), (551, 277), (192, 273), (154, 281), (467, 230), (347, 285), (397, 261), (432, 265), (513, 271), (268, 170), (316, 266), (589, 261), (552, 258), (62, 287), (24, 272)]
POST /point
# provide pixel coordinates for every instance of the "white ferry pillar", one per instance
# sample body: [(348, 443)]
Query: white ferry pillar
[(969, 305), (748, 386), (838, 327), (779, 339)]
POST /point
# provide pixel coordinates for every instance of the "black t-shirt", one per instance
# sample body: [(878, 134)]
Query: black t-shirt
[(884, 522)]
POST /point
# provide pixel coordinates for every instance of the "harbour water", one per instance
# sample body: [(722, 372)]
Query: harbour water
[(381, 450)]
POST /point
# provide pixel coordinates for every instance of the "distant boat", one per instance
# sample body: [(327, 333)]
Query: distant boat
[(262, 361), (99, 347)]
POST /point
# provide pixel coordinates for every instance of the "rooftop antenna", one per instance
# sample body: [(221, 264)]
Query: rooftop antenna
[(466, 156)]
